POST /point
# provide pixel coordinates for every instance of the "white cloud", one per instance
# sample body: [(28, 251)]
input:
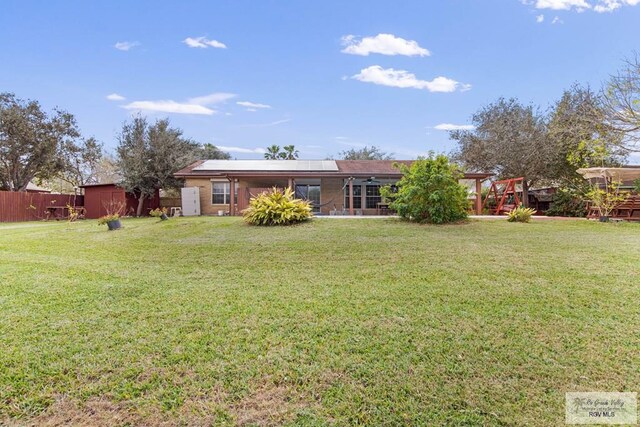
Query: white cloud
[(115, 97), (403, 79), (214, 98), (600, 6), (125, 46), (449, 126), (579, 5), (540, 19), (384, 44), (252, 105), (557, 20), (169, 106), (196, 105), (275, 123), (203, 43), (241, 149)]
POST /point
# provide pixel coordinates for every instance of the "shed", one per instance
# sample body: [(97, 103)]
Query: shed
[(96, 196)]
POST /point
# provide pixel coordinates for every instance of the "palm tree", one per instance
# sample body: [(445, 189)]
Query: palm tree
[(272, 152), (290, 152)]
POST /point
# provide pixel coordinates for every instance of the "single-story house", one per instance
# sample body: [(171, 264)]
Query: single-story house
[(98, 196), (346, 186)]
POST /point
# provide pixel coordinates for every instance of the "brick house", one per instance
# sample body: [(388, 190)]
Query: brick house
[(333, 186)]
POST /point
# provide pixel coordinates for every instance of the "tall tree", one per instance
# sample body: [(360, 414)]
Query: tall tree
[(509, 139), (580, 136), (210, 152), (149, 155), (365, 153), (31, 141), (80, 162), (621, 97), (272, 152), (290, 152)]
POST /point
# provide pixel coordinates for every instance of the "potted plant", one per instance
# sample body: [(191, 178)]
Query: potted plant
[(112, 221), (113, 210), (159, 213), (605, 198)]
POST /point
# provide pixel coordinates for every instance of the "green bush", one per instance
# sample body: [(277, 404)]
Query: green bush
[(521, 214), (429, 192), (277, 208), (568, 202)]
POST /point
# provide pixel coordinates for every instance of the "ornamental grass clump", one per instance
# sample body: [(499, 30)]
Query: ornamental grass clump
[(521, 214), (277, 207)]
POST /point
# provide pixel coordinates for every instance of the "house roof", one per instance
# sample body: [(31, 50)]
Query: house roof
[(268, 165), (299, 168)]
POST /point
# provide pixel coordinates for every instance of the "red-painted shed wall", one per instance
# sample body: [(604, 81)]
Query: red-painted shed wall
[(95, 197)]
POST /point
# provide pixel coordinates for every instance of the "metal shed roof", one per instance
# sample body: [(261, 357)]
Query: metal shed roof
[(268, 165)]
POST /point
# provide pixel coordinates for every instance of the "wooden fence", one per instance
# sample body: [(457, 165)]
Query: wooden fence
[(169, 202), (18, 206)]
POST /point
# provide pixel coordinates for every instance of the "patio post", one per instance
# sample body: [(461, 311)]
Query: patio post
[(350, 196), (232, 197), (478, 196)]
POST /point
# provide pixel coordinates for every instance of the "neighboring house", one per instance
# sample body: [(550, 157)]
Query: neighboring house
[(345, 186), (33, 188), (98, 196)]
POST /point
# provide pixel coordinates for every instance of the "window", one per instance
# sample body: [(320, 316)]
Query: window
[(220, 193), (372, 196), (357, 196)]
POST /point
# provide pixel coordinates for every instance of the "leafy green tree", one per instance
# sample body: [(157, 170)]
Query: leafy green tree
[(510, 140), (288, 152), (272, 152), (149, 155), (365, 153), (210, 152), (32, 143), (580, 136), (429, 191), (621, 97)]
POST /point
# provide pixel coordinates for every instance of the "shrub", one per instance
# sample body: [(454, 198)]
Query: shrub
[(568, 202), (158, 212), (108, 218), (276, 207), (521, 214), (429, 191)]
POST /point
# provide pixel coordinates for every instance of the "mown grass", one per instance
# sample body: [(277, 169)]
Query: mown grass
[(207, 321)]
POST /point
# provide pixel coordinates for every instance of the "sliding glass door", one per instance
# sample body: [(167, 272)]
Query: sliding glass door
[(310, 193)]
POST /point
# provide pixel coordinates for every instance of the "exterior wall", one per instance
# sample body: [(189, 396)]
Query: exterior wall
[(331, 194), (204, 184)]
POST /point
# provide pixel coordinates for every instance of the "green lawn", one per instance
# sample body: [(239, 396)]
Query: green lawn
[(200, 321)]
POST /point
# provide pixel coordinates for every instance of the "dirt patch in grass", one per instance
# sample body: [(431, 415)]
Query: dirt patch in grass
[(268, 405), (94, 412)]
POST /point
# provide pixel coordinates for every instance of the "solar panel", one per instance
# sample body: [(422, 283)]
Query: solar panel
[(269, 165)]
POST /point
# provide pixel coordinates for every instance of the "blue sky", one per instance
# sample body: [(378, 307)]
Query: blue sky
[(325, 75)]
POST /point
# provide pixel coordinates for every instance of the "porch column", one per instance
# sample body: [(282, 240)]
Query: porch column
[(232, 197), (290, 184), (478, 196), (350, 196)]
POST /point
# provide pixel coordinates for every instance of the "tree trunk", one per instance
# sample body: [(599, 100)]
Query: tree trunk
[(525, 193), (140, 205)]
